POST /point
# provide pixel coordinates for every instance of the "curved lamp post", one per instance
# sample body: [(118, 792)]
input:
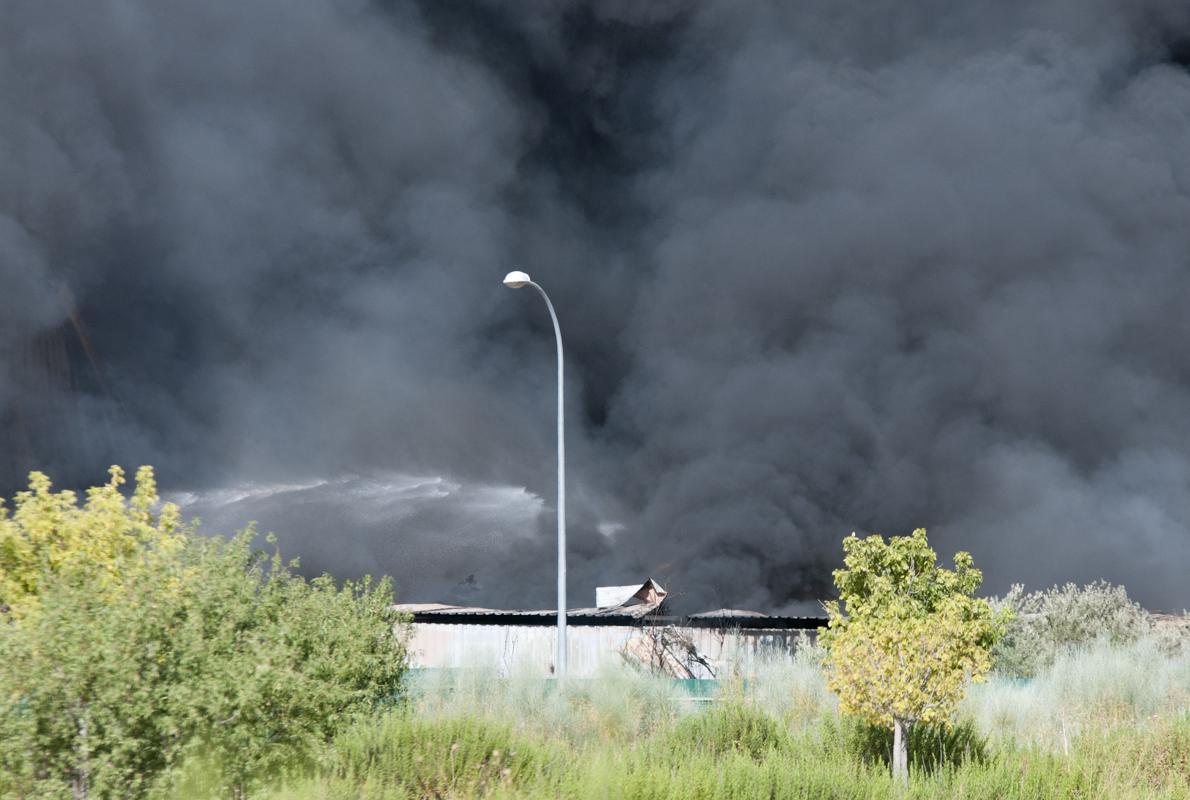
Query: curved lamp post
[(515, 280)]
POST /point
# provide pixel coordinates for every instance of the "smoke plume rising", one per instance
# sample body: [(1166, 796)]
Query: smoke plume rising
[(820, 267)]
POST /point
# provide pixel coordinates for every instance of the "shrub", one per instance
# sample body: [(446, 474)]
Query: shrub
[(1057, 620), (209, 648), (729, 728), (49, 534), (450, 757)]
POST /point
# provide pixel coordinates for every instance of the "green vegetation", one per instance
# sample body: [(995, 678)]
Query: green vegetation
[(1046, 624), (172, 647), (912, 636), (179, 667), (734, 749), (49, 536)]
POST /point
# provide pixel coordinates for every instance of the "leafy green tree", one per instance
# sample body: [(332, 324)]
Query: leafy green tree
[(178, 650), (907, 635)]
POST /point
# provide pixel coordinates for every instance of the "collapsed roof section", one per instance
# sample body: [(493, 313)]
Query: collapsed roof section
[(648, 593)]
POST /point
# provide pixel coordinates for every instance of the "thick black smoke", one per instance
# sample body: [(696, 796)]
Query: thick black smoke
[(821, 266)]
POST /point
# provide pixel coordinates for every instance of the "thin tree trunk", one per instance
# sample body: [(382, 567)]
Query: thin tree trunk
[(900, 759), (81, 784)]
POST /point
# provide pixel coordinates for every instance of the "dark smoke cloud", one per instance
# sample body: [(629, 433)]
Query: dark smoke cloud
[(821, 267)]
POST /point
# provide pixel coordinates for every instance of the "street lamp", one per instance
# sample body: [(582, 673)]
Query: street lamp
[(515, 280)]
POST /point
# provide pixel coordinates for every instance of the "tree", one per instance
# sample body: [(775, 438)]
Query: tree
[(174, 649), (907, 635), (49, 534)]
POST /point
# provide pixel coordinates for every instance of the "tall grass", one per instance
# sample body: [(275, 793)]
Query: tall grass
[(793, 689), (1088, 691), (617, 703), (727, 752), (1106, 721)]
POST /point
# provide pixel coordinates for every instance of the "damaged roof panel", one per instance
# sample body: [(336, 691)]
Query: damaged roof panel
[(649, 593)]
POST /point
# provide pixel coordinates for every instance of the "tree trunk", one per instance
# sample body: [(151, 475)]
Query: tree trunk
[(81, 781), (900, 755)]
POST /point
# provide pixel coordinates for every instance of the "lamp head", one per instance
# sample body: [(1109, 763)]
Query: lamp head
[(516, 279)]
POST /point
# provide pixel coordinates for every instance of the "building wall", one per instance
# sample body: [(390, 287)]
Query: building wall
[(531, 649)]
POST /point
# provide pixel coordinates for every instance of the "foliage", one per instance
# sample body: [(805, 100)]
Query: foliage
[(931, 746), (442, 758), (912, 632), (1087, 690), (48, 533), (1047, 623), (912, 635), (617, 702), (793, 689), (729, 727), (201, 646), (400, 756), (1142, 754)]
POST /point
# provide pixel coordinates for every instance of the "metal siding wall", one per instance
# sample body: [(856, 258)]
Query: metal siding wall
[(530, 648)]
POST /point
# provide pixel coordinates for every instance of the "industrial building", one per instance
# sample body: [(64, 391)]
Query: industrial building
[(627, 625)]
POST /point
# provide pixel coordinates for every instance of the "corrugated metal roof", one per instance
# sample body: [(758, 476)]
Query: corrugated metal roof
[(440, 609), (722, 613)]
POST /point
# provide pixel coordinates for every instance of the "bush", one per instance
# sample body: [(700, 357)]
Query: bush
[(107, 687), (49, 534), (460, 757), (729, 728), (1060, 619)]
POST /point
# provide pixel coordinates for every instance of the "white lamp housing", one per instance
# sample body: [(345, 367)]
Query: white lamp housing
[(516, 279)]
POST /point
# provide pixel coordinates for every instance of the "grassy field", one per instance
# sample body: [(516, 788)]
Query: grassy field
[(1103, 722)]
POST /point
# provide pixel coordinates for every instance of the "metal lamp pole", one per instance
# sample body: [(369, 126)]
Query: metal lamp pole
[(515, 280)]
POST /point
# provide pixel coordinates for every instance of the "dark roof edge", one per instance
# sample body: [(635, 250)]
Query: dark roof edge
[(547, 619)]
